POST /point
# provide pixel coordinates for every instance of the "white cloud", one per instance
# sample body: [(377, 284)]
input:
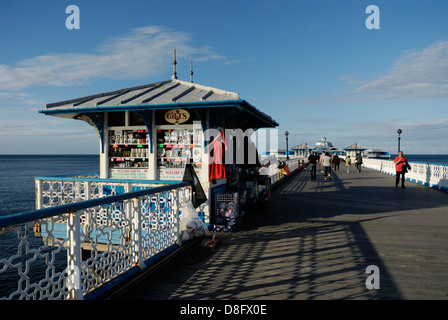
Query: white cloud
[(415, 75), (15, 98), (144, 51)]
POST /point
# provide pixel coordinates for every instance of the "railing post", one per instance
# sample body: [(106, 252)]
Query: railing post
[(136, 233), (176, 221), (38, 191), (87, 220), (74, 256), (87, 190)]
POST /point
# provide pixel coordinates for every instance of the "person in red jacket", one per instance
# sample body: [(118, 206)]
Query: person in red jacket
[(400, 168)]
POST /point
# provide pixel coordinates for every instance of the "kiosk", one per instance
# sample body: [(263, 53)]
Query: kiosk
[(151, 131)]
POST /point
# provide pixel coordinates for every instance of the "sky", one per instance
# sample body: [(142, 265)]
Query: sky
[(314, 66)]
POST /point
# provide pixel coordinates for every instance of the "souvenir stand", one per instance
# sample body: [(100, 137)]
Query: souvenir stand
[(149, 132)]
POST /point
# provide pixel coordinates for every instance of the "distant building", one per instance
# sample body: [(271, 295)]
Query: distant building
[(302, 150), (323, 145), (354, 149)]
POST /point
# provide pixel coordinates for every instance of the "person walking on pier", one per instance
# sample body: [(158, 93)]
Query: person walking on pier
[(312, 160), (348, 163), (326, 164), (401, 166), (321, 161), (358, 162), (335, 160)]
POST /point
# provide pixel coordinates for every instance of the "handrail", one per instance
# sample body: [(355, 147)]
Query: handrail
[(81, 177), (23, 217)]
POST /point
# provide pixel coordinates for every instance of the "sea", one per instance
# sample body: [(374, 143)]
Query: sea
[(17, 194), (425, 158), (17, 173)]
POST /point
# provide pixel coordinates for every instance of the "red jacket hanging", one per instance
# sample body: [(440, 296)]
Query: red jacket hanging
[(216, 168)]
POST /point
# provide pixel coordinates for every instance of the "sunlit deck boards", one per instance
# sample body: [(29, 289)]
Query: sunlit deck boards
[(315, 241)]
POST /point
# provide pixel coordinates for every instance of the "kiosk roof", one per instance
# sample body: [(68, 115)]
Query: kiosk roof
[(168, 94)]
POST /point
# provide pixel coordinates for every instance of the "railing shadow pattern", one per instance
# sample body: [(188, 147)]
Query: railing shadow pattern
[(311, 242)]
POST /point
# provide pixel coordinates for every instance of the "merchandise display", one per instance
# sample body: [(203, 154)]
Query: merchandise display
[(227, 212), (128, 149), (175, 146), (128, 154)]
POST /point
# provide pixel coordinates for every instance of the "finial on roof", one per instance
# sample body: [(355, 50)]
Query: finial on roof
[(174, 76), (191, 71)]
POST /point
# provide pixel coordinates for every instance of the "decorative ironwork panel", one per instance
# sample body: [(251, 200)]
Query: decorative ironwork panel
[(38, 263), (70, 255)]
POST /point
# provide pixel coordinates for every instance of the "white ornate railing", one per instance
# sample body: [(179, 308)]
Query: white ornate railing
[(293, 164), (278, 175), (59, 190), (45, 250), (432, 175), (89, 235)]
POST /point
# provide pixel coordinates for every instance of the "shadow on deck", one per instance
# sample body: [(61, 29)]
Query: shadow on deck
[(315, 241)]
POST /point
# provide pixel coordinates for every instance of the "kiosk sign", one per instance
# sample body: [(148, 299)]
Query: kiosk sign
[(129, 173), (177, 116)]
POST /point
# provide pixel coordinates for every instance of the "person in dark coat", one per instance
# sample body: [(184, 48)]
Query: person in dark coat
[(312, 160), (358, 162), (335, 161)]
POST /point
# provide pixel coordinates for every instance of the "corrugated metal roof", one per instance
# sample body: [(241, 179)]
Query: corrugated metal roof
[(169, 91), (160, 95), (355, 146), (302, 146)]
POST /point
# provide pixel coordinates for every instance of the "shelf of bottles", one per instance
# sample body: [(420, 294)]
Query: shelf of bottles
[(128, 149), (173, 149)]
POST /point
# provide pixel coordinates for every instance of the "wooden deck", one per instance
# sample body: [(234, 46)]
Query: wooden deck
[(315, 241)]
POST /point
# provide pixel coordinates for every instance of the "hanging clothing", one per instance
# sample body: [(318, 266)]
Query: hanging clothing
[(216, 168)]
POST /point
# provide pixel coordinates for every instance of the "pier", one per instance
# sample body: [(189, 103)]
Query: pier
[(315, 241), (166, 180)]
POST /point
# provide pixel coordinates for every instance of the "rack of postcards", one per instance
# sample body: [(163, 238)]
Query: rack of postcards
[(128, 153), (228, 214), (174, 147)]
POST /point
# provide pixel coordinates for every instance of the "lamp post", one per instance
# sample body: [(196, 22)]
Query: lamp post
[(399, 131), (287, 152)]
